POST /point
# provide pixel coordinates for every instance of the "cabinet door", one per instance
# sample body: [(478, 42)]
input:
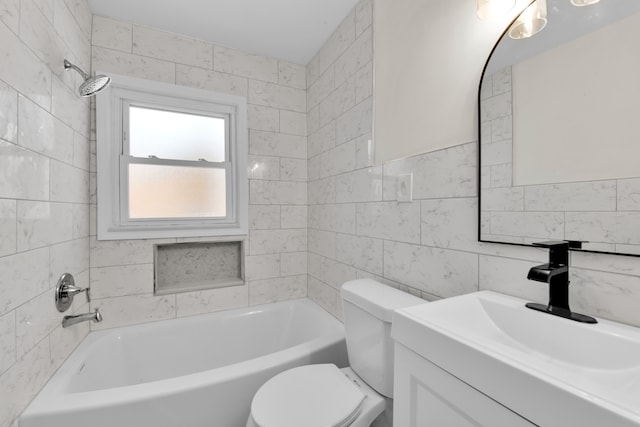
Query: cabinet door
[(427, 396)]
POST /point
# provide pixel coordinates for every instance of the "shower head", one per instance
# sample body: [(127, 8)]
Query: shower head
[(91, 85)]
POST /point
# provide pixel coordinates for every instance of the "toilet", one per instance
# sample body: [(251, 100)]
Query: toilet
[(324, 395)]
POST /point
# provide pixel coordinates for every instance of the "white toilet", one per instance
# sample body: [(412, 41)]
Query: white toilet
[(324, 395)]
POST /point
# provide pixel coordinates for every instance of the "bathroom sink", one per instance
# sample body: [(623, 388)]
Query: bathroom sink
[(550, 370)]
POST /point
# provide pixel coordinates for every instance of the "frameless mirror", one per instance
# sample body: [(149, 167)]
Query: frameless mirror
[(560, 131)]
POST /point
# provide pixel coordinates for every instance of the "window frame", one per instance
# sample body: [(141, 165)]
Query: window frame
[(113, 159)]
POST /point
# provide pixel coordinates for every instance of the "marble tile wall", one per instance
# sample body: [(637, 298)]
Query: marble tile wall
[(428, 246), (44, 190), (605, 213), (275, 255)]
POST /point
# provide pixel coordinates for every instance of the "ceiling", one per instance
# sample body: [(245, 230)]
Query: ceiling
[(292, 30)]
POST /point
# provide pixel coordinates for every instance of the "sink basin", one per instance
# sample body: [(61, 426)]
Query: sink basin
[(548, 369)]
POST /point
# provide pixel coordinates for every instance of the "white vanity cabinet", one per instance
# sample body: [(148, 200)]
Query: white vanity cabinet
[(425, 395)]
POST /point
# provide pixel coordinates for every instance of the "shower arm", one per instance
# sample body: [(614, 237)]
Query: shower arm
[(68, 65)]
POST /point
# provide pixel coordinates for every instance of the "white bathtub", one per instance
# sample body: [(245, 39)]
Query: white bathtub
[(191, 372)]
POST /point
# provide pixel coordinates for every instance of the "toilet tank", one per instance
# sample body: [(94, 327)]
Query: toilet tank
[(368, 310)]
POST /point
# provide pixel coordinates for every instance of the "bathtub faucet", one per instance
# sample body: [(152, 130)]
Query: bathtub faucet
[(72, 320)]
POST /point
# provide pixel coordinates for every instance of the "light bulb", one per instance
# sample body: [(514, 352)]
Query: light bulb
[(530, 22)]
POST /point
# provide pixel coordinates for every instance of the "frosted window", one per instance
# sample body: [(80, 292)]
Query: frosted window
[(157, 191), (174, 135)]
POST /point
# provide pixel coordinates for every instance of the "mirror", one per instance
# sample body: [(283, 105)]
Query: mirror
[(560, 131)]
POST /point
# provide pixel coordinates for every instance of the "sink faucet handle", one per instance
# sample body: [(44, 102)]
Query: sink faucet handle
[(66, 290), (558, 251)]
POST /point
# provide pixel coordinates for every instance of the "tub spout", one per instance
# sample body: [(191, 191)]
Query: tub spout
[(72, 320)]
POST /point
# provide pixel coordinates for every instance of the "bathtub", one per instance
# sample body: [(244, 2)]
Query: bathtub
[(191, 372)]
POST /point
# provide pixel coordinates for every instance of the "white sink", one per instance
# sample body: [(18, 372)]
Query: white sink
[(548, 369)]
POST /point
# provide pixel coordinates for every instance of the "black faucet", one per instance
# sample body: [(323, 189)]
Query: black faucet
[(556, 274)]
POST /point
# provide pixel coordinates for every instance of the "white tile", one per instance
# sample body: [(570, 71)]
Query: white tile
[(46, 7), (277, 144), (35, 320), (509, 276), (364, 16), (263, 167), (495, 107), (390, 220), (8, 227), (450, 223), (338, 102), (294, 216), (323, 295), (355, 57), (356, 122), (75, 36), (233, 61), (293, 169), (312, 71), (23, 381), (340, 218), (263, 118), (321, 88), (22, 69), (264, 217), (82, 13), (501, 176), (501, 81), (65, 340), (43, 223), (313, 169), (8, 113), (360, 252), (24, 277), (259, 267), (120, 252), (277, 241), (293, 123), (339, 159), (273, 95), (364, 151), (364, 185), (574, 196), (502, 129), (543, 225), (134, 309), (172, 47), (629, 194), (68, 183), (364, 82), (193, 303), (292, 75), (329, 271), (497, 153), (121, 280), (23, 174), (439, 272), (112, 34), (69, 107), (313, 119), (293, 264), (606, 263), (68, 257), (322, 140), (81, 152), (112, 61), (451, 172), (10, 14), (338, 42), (603, 227), (277, 192), (322, 243), (502, 199), (281, 289), (7, 341), (211, 80), (322, 191)]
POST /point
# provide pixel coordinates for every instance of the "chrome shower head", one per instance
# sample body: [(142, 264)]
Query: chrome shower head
[(91, 85)]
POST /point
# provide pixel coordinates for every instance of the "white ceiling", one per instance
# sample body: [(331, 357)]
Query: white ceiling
[(291, 30)]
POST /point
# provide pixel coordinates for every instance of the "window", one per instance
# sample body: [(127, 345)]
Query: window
[(171, 161)]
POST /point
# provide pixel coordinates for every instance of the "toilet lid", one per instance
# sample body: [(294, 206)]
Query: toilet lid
[(310, 396)]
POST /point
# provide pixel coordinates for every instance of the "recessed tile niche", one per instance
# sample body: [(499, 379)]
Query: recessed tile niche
[(183, 267)]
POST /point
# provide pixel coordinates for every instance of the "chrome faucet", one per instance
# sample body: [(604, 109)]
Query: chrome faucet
[(78, 318), (556, 274)]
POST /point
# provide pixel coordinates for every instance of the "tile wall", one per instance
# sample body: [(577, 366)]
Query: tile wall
[(429, 246), (44, 189), (275, 251)]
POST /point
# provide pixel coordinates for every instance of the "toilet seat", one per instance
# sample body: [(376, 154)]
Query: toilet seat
[(310, 396)]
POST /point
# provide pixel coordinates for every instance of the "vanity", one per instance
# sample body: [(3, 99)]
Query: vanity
[(484, 359)]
